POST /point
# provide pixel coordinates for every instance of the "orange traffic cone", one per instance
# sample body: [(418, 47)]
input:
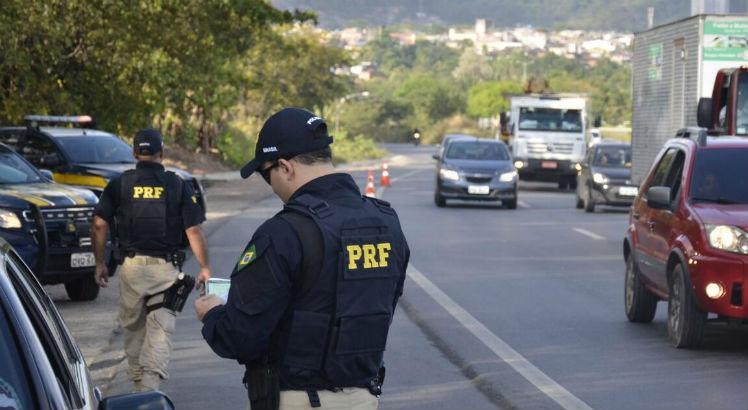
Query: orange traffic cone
[(371, 192), (385, 180)]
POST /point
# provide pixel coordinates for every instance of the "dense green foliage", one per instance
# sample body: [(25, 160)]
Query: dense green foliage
[(629, 15), (207, 72), (438, 90)]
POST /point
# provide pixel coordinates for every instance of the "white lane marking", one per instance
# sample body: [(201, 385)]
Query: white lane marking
[(523, 204), (589, 234), (505, 352), (407, 174)]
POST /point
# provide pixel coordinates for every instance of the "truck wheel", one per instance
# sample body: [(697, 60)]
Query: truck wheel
[(510, 203), (589, 203), (82, 289), (639, 302), (685, 321), (439, 200)]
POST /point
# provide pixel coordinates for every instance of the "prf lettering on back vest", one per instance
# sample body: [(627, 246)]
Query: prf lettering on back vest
[(147, 192), (371, 255)]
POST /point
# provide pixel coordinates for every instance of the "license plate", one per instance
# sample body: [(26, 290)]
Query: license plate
[(478, 189), (549, 164), (82, 260), (628, 191)]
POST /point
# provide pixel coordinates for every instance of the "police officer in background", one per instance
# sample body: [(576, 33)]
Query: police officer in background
[(150, 209), (313, 294)]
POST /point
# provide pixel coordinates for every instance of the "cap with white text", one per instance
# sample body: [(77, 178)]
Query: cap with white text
[(147, 141), (287, 133)]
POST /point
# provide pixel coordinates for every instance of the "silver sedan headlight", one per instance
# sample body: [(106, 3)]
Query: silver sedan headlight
[(510, 176), (728, 238), (449, 174), (9, 219), (600, 178)]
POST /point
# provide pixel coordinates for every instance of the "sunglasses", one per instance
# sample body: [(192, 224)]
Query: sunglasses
[(266, 172)]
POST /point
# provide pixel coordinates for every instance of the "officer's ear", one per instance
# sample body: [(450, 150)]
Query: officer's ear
[(286, 167)]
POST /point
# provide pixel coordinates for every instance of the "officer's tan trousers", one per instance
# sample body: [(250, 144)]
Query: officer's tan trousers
[(347, 399), (147, 336)]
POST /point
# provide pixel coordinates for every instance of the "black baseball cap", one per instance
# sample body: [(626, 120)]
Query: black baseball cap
[(147, 141), (287, 133)]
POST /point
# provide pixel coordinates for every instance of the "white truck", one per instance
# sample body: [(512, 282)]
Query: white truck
[(674, 66), (547, 136)]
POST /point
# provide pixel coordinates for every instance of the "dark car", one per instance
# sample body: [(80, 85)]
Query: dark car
[(41, 367), (604, 176), (48, 224), (687, 238), (77, 156), (470, 168)]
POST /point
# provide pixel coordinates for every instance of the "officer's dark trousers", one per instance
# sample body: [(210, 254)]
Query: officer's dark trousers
[(346, 399)]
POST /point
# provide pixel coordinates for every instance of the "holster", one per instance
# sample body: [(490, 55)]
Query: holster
[(176, 258), (375, 385), (263, 386), (176, 296)]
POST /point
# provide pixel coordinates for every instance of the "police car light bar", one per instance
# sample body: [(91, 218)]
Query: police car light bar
[(69, 119)]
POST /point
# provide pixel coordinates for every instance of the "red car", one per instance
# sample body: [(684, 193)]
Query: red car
[(687, 238)]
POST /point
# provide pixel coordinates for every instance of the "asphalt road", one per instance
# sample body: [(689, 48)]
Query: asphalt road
[(502, 309)]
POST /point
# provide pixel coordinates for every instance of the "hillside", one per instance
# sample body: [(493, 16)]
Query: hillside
[(626, 15)]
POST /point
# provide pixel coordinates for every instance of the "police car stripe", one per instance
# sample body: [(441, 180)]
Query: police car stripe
[(77, 179), (34, 199)]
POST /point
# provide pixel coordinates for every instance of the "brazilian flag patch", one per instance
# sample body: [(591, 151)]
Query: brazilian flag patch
[(248, 257)]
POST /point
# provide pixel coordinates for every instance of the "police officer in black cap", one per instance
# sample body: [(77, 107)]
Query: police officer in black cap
[(313, 294), (151, 210)]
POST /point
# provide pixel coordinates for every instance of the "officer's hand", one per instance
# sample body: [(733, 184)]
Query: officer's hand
[(203, 277), (102, 275), (205, 303)]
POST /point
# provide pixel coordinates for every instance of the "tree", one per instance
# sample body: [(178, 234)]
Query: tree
[(489, 99)]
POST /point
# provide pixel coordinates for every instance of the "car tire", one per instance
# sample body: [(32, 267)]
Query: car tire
[(510, 203), (83, 289), (685, 321), (639, 302), (589, 203), (440, 201)]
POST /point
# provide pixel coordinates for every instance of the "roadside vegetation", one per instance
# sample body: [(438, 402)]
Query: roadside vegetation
[(207, 73)]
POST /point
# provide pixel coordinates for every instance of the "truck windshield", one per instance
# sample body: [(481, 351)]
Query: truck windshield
[(550, 119), (613, 157), (485, 151), (14, 170), (98, 149), (717, 176)]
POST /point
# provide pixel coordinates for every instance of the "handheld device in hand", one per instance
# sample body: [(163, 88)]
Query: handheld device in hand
[(219, 287)]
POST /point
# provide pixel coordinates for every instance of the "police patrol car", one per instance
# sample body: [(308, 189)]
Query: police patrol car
[(48, 224), (79, 155)]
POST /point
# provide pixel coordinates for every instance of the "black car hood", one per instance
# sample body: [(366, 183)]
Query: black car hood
[(44, 195), (472, 166), (614, 173), (109, 171)]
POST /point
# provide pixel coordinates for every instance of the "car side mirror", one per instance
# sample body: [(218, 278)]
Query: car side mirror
[(150, 400), (435, 156), (50, 161), (704, 113), (658, 197), (47, 175)]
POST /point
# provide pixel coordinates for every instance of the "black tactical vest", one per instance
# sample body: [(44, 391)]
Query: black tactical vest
[(336, 331), (148, 216)]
